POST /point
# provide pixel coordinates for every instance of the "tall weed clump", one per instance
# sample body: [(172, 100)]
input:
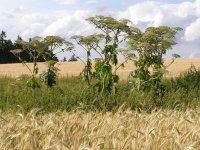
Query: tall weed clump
[(184, 89)]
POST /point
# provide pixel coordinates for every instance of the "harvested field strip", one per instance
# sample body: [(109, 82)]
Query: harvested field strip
[(74, 68)]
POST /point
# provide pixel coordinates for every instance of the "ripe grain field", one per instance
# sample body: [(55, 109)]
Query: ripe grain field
[(74, 68), (30, 128), (127, 130)]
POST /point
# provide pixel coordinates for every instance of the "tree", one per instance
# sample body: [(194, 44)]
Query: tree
[(64, 59), (24, 54), (5, 46), (73, 58)]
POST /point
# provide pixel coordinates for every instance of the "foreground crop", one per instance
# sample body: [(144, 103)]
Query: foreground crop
[(163, 129)]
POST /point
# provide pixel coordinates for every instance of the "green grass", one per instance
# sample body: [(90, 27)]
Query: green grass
[(72, 93)]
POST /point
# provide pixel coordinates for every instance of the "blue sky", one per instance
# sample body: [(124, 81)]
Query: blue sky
[(51, 5), (29, 18)]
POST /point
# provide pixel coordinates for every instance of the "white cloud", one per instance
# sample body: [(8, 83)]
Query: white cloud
[(185, 15), (70, 24), (157, 13), (65, 23), (192, 32), (33, 30), (197, 4), (154, 13), (149, 13), (142, 12), (185, 9), (91, 1), (71, 2), (67, 2)]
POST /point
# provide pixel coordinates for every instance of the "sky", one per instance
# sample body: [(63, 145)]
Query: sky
[(29, 18)]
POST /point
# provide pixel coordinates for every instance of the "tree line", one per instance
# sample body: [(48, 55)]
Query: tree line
[(6, 45)]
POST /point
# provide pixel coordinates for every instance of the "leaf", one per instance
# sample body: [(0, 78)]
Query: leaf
[(122, 65), (77, 37), (16, 51), (115, 78), (176, 55), (114, 59), (68, 46), (36, 38), (54, 39)]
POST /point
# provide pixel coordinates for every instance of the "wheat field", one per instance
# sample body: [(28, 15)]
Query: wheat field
[(78, 130), (74, 68), (127, 130)]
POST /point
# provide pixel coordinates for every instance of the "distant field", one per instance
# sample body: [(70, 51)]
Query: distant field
[(74, 68)]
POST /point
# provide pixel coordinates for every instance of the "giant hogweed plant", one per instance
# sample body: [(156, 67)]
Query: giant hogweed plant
[(54, 45), (46, 48), (88, 43), (149, 47), (34, 47), (114, 33)]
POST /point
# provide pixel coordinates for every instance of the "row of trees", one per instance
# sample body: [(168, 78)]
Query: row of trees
[(6, 46), (145, 48)]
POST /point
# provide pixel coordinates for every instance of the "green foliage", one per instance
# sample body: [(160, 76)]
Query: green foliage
[(88, 43), (113, 29), (87, 73), (32, 82), (49, 76), (150, 47), (105, 80), (187, 81), (35, 49), (45, 48), (53, 43), (5, 46), (146, 49), (180, 93)]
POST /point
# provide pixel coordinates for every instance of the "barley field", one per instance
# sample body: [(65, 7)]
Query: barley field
[(74, 68), (124, 130)]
